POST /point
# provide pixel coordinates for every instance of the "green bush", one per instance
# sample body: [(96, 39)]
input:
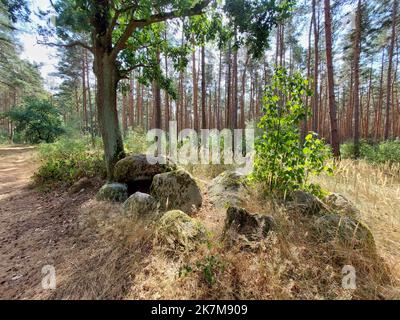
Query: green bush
[(388, 151), (135, 142), (68, 160), (283, 161), (36, 121), (4, 137), (384, 152)]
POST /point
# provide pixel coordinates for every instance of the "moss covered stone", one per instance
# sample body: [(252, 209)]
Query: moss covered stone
[(226, 189), (347, 230), (306, 203), (239, 222), (341, 205), (141, 205), (176, 190), (117, 192), (178, 231), (137, 168)]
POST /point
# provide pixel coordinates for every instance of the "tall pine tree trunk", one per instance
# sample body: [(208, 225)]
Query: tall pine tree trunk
[(390, 70), (195, 92), (357, 49), (235, 88), (331, 84), (203, 89), (316, 68), (131, 103)]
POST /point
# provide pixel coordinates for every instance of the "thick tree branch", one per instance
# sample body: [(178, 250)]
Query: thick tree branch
[(67, 45), (118, 11), (159, 17), (7, 84), (123, 73)]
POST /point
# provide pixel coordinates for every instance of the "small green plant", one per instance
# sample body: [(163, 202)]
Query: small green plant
[(283, 160), (185, 270), (210, 267)]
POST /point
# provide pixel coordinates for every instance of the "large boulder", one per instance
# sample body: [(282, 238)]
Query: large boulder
[(226, 189), (306, 203), (347, 230), (116, 192), (341, 205), (176, 190), (137, 168), (140, 205), (178, 231), (253, 227)]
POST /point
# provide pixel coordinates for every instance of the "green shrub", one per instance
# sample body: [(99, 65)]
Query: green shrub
[(211, 266), (68, 160), (384, 152), (135, 141), (4, 137), (388, 151), (347, 150), (36, 121), (283, 161)]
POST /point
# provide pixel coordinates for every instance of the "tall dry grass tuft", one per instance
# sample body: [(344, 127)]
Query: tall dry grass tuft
[(375, 189)]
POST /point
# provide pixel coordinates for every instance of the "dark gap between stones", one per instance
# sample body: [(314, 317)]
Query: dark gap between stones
[(139, 186)]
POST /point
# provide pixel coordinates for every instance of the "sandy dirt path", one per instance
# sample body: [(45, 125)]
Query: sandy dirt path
[(36, 228)]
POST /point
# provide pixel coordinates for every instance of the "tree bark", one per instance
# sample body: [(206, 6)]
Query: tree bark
[(85, 113), (357, 51), (124, 113), (243, 95), (195, 92), (378, 112), (218, 106), (131, 103), (235, 88), (316, 68), (228, 110), (390, 70), (331, 84), (203, 89), (92, 131), (106, 100)]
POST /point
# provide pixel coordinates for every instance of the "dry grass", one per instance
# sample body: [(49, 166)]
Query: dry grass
[(289, 264), (121, 260), (110, 248), (375, 189)]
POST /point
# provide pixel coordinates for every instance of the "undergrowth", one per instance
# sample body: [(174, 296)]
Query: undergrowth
[(68, 160), (384, 152)]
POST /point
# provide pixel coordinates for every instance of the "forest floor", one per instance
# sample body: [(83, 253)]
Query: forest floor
[(35, 227), (99, 255)]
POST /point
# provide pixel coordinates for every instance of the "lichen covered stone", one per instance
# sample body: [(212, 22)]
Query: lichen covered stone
[(226, 189), (136, 168), (254, 227), (176, 190), (140, 205), (347, 230), (306, 203), (178, 231), (116, 192), (341, 205)]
